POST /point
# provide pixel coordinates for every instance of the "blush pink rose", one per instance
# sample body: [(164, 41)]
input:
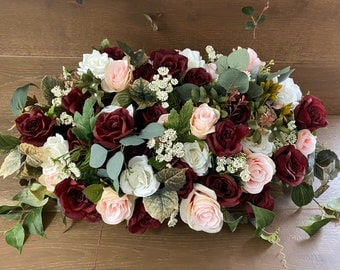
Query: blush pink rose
[(306, 142), (261, 170), (118, 75), (201, 211), (114, 209), (254, 60), (203, 121)]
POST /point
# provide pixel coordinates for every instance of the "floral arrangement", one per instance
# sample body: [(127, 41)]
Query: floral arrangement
[(150, 139)]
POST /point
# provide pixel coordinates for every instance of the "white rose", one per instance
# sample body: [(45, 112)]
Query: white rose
[(265, 147), (289, 93), (54, 147), (139, 179), (96, 62), (196, 157), (194, 58)]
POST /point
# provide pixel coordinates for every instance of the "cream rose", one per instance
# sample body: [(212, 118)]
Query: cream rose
[(52, 176), (254, 60), (139, 179), (261, 169), (201, 211), (118, 75), (203, 121), (197, 157), (113, 208), (96, 62), (211, 68), (290, 93), (265, 147), (194, 58), (306, 142)]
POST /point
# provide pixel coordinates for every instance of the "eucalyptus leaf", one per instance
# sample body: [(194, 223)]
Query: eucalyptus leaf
[(132, 140), (98, 155), (11, 163), (114, 165), (161, 204), (239, 59), (152, 130), (15, 237), (234, 79), (302, 194), (185, 90), (314, 224), (222, 63), (33, 222), (254, 90), (8, 142), (282, 73), (94, 192), (19, 98)]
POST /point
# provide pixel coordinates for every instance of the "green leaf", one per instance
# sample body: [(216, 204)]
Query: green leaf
[(94, 192), (105, 44), (231, 221), (281, 72), (122, 99), (161, 204), (173, 178), (333, 204), (26, 196), (84, 122), (8, 142), (133, 140), (248, 10), (11, 212), (152, 130), (33, 222), (158, 166), (254, 90), (222, 64), (233, 78), (11, 163), (19, 98), (15, 237), (98, 155), (239, 59), (302, 194), (260, 19), (184, 115), (114, 165), (263, 218), (137, 58), (314, 224), (185, 90), (326, 165), (249, 25), (173, 120)]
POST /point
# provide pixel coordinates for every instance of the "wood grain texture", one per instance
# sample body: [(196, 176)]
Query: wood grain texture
[(39, 37)]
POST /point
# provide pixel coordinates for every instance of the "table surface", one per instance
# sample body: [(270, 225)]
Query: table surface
[(82, 245)]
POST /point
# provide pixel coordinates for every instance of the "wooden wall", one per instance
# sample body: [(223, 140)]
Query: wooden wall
[(38, 37)]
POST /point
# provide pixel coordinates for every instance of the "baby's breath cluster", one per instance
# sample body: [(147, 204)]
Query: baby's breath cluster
[(59, 93), (212, 56), (286, 138), (166, 146), (234, 165), (162, 84)]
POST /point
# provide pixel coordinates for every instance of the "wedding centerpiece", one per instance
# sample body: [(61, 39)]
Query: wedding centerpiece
[(176, 134)]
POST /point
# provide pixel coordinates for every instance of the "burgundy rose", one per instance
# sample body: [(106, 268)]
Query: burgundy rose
[(149, 115), (238, 110), (115, 53), (35, 127), (110, 127), (226, 140), (73, 141), (263, 199), (310, 113), (73, 201), (141, 220), (145, 71), (171, 59), (228, 192), (198, 76), (74, 100), (190, 177), (291, 165)]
